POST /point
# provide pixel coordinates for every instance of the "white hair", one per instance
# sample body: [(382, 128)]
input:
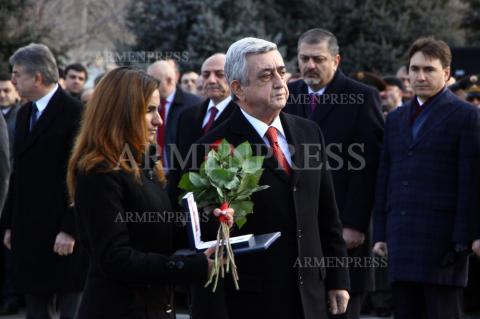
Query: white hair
[(236, 59)]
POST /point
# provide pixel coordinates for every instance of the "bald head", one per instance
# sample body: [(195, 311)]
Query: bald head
[(215, 85), (165, 73)]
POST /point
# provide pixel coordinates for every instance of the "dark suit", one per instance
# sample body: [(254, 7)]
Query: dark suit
[(4, 162), (349, 114), (131, 272), (189, 130), (273, 284), (37, 207), (425, 193), (181, 101)]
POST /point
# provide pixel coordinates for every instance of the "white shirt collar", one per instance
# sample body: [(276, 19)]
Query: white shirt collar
[(43, 102), (220, 106), (419, 101), (319, 92), (262, 127)]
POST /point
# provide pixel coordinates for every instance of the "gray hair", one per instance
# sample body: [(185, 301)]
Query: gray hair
[(37, 58), (236, 59), (317, 35)]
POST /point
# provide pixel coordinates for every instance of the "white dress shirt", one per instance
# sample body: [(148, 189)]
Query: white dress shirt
[(262, 128), (43, 102), (220, 107)]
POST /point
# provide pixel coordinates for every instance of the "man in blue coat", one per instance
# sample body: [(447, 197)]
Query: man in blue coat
[(425, 197)]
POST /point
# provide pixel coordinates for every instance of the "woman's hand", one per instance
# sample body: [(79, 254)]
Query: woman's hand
[(228, 214)]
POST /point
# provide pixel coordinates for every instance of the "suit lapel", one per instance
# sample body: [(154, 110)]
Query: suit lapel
[(441, 109), (225, 114), (199, 116), (53, 108), (334, 87), (246, 132), (297, 152)]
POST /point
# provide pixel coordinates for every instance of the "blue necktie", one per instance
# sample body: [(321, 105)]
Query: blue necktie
[(33, 116)]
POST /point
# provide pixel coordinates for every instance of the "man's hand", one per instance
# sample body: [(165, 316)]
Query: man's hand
[(476, 247), (7, 237), (64, 244), (353, 238), (338, 301), (380, 248)]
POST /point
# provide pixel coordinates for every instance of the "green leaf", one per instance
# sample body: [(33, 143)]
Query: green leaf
[(185, 182), (252, 164), (242, 209), (197, 180), (233, 183), (224, 149), (221, 176), (243, 151), (211, 163)]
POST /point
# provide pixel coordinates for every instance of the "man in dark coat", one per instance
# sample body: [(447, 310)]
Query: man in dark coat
[(40, 226), (349, 115), (196, 121), (173, 100), (427, 189), (291, 279)]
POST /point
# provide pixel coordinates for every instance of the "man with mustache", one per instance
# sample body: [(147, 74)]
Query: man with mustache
[(426, 198), (349, 115)]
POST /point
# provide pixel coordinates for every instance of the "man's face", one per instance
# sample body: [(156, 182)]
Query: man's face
[(266, 93), (215, 84), (427, 75), (75, 81), (316, 64), (8, 94), (188, 82), (26, 84), (391, 96), (403, 76)]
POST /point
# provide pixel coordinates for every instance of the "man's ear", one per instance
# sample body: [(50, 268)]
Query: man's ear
[(38, 79), (447, 73), (237, 89)]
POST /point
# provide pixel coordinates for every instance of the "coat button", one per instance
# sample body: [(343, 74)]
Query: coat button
[(294, 189), (410, 153), (403, 213), (405, 183)]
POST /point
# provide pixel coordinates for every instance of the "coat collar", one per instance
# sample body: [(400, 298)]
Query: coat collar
[(244, 131), (54, 107), (442, 107)]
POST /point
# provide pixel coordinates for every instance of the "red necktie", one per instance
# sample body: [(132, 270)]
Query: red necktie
[(277, 151), (211, 119), (161, 129)]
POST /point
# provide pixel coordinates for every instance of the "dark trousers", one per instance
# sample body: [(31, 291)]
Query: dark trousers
[(426, 301), (45, 305)]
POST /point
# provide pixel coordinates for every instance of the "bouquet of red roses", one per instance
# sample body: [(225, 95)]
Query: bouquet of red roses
[(227, 178)]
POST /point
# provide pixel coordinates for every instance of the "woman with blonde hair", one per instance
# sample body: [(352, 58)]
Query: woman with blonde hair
[(121, 205)]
